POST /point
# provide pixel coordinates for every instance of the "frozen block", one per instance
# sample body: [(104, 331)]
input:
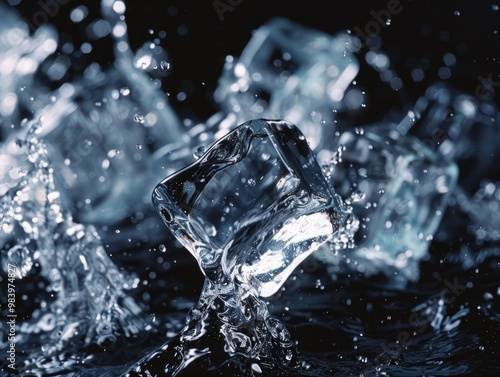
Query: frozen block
[(290, 72), (21, 56), (402, 191), (459, 127), (102, 134), (254, 205)]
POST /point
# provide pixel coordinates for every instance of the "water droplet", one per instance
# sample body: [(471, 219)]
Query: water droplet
[(164, 65), (251, 182), (138, 118), (162, 248), (357, 195), (359, 130), (138, 146), (125, 91), (200, 151), (20, 257), (488, 296), (256, 368)]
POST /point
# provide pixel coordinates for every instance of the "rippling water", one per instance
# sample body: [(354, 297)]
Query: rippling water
[(100, 284)]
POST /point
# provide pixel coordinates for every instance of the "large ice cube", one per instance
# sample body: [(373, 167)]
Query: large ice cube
[(290, 72), (253, 207), (403, 187), (102, 136)]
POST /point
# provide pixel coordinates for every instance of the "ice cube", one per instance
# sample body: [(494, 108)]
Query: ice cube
[(290, 72), (21, 55), (405, 187), (459, 127), (253, 207), (102, 134)]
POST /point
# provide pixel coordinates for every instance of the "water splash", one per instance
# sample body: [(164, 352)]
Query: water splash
[(91, 304), (244, 237)]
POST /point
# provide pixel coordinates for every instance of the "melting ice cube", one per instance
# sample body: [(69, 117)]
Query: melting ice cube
[(290, 72), (405, 186), (253, 207)]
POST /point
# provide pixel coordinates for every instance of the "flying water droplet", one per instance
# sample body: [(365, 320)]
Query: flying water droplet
[(138, 118), (20, 257), (164, 65), (357, 196)]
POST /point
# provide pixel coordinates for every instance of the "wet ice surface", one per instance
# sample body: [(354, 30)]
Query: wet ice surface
[(405, 277), (250, 211)]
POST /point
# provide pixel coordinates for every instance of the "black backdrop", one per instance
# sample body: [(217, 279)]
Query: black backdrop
[(197, 40)]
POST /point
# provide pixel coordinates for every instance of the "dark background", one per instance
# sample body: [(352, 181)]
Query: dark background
[(197, 41)]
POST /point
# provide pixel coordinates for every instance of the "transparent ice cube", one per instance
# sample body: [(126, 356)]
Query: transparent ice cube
[(253, 207), (458, 126), (402, 187), (20, 57), (102, 136), (290, 72)]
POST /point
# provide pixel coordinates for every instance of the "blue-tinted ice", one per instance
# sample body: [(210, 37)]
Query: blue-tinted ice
[(400, 188), (290, 72), (105, 132), (20, 58), (250, 209), (458, 126)]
